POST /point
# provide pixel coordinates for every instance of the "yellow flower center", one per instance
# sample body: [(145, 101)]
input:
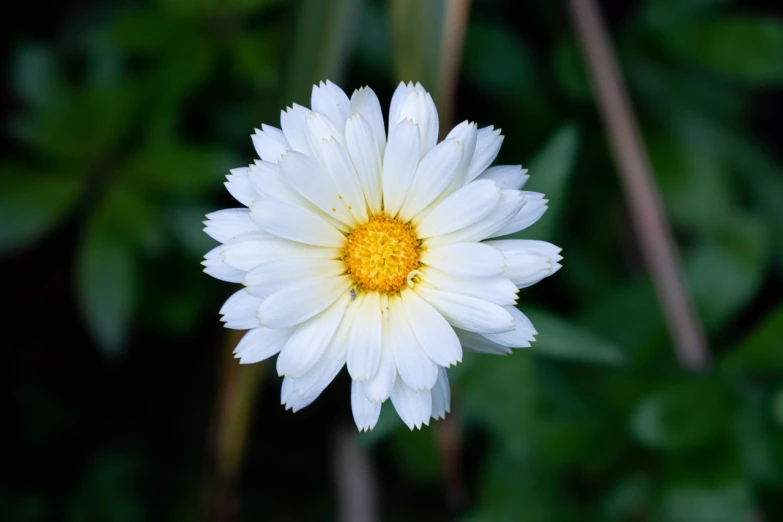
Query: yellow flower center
[(380, 254)]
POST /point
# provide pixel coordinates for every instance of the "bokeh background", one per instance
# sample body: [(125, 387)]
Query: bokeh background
[(120, 399)]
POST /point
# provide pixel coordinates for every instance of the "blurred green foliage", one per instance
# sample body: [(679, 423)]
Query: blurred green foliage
[(125, 117)]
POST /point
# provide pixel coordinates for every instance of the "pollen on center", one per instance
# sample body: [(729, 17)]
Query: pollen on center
[(380, 254)]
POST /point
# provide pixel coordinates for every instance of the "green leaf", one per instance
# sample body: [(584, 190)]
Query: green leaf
[(550, 170), (106, 266), (561, 339), (106, 274), (36, 76), (664, 13), (726, 502), (682, 416), (417, 29), (496, 61), (323, 39), (748, 49), (570, 70), (724, 272), (760, 352), (32, 203)]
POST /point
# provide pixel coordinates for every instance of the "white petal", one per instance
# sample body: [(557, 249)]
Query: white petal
[(294, 126), (499, 289), (441, 395), (379, 387), (398, 98), (295, 223), (313, 182), (317, 378), (268, 181), (468, 313), (521, 336), (528, 261), (420, 108), (509, 205), (239, 186), (364, 343), (534, 208), (474, 342), (399, 165), (277, 274), (365, 102), (270, 143), (342, 171), (239, 311), (414, 366), (465, 207), (466, 135), (433, 332), (320, 129), (261, 343), (302, 301), (366, 157), (488, 142), (413, 407), (465, 259), (290, 399), (249, 250), (229, 223), (309, 340), (244, 251), (330, 100), (506, 176), (214, 266), (433, 175), (365, 412)]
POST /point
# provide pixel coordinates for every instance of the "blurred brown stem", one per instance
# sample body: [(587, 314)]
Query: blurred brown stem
[(650, 221), (454, 27), (355, 479), (235, 399)]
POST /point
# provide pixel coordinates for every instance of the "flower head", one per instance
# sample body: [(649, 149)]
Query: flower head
[(374, 250)]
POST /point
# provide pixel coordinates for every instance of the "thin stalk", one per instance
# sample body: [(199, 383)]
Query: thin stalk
[(644, 203)]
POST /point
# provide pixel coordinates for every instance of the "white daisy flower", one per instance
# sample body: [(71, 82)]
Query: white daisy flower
[(373, 250)]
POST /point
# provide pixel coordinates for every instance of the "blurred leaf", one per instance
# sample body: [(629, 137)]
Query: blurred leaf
[(109, 491), (570, 70), (748, 49), (761, 351), (759, 443), (485, 381), (682, 416), (36, 75), (664, 13), (728, 502), (106, 270), (194, 8), (628, 500), (736, 259), (515, 489), (550, 170), (498, 62), (417, 452), (417, 30), (560, 339), (373, 49), (142, 30), (694, 185), (32, 203), (84, 127), (323, 39), (179, 170)]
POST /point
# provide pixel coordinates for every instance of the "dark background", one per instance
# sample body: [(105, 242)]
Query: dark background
[(120, 120)]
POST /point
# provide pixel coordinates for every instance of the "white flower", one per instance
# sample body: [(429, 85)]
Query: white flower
[(368, 249)]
